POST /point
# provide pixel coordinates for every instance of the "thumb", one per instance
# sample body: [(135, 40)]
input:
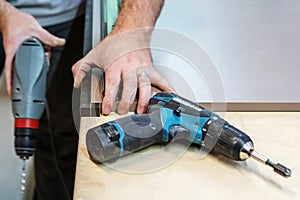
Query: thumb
[(49, 39), (79, 71), (8, 73)]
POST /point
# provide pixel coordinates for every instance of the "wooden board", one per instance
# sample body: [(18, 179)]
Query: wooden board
[(275, 134)]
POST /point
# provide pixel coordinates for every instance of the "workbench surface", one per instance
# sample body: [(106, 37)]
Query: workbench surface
[(172, 176)]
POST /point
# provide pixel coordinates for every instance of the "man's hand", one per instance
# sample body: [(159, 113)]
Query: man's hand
[(16, 26), (125, 55)]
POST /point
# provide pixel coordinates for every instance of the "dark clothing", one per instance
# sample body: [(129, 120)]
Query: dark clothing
[(55, 157)]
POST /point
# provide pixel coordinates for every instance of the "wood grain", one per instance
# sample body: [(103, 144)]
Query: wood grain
[(275, 134)]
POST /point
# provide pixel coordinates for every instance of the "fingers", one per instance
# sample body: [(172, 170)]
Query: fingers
[(49, 39), (144, 84), (139, 79), (18, 27), (79, 71), (47, 54), (91, 59), (129, 92), (8, 73), (142, 81), (159, 81), (112, 82), (10, 47)]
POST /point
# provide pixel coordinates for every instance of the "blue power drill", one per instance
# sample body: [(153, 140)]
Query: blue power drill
[(170, 118)]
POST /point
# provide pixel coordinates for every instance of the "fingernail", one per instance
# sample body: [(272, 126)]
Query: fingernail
[(122, 111), (75, 85), (60, 40), (106, 110), (141, 110)]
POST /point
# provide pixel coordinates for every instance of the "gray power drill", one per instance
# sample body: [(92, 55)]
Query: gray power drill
[(28, 97), (170, 118)]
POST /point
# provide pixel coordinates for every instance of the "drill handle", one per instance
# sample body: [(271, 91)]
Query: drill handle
[(29, 80)]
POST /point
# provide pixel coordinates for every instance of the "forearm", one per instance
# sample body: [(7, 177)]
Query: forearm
[(138, 14)]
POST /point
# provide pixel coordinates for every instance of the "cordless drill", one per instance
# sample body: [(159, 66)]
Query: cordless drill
[(170, 118), (28, 97)]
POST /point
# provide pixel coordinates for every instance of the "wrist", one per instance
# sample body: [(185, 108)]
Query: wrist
[(136, 21), (141, 14)]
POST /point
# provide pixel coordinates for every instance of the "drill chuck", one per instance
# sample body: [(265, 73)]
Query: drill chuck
[(230, 141), (25, 142)]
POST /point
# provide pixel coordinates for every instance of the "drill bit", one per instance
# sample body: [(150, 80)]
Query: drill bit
[(23, 176), (278, 168)]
